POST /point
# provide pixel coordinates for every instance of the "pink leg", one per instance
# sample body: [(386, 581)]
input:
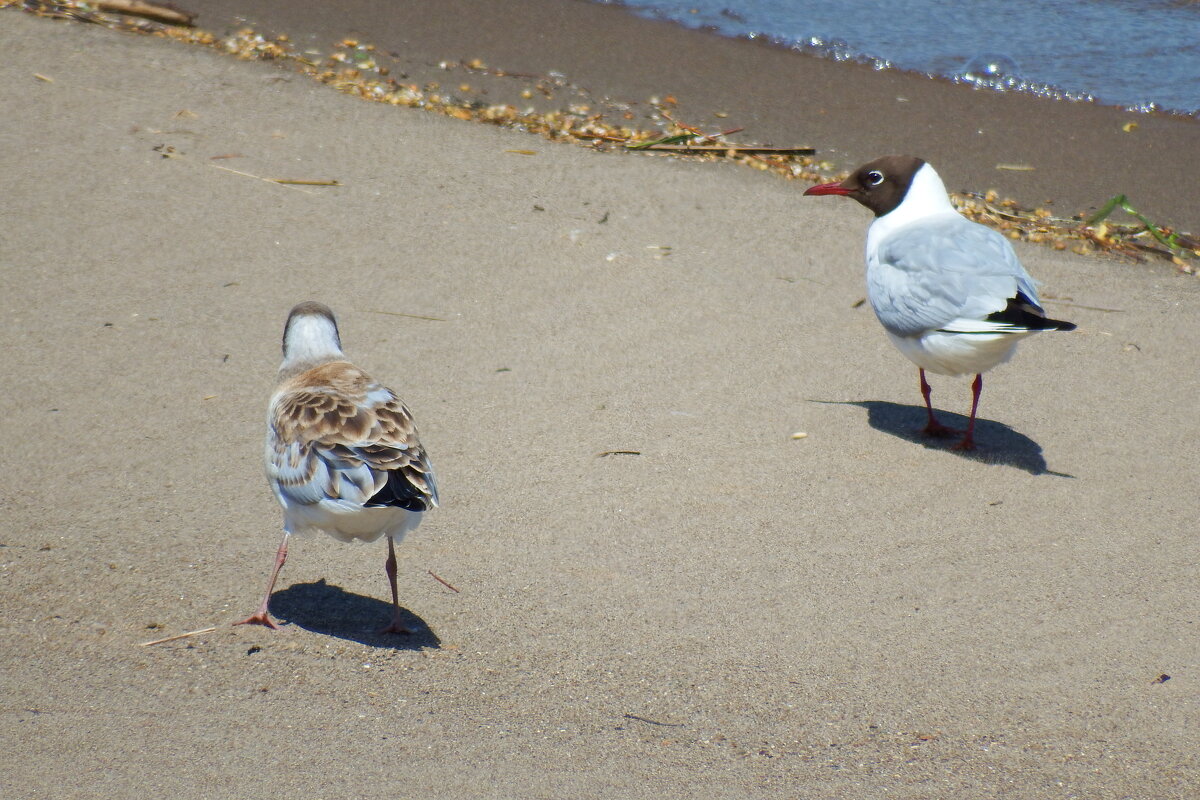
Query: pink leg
[(261, 617), (395, 626), (933, 427), (968, 441)]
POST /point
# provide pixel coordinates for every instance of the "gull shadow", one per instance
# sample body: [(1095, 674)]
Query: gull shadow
[(331, 610), (995, 443)]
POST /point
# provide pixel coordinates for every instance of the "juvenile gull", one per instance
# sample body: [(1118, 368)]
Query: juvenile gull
[(950, 292), (342, 451)]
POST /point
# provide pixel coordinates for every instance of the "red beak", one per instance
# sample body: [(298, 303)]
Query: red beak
[(827, 188)]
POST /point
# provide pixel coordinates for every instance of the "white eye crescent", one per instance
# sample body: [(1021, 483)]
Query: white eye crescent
[(874, 177)]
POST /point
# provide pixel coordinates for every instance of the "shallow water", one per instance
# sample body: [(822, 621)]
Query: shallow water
[(1141, 54)]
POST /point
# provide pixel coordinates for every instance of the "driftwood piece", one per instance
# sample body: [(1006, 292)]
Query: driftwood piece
[(735, 149), (160, 12)]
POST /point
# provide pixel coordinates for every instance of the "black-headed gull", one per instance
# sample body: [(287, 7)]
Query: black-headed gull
[(342, 451), (950, 292)]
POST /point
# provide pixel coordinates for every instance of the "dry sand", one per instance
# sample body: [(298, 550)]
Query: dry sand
[(731, 613)]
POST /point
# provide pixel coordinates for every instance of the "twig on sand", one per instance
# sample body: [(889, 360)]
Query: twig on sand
[(443, 581), (605, 137), (304, 182), (178, 636), (679, 138), (727, 149), (654, 721), (402, 314), (291, 184), (160, 12), (604, 453), (681, 143)]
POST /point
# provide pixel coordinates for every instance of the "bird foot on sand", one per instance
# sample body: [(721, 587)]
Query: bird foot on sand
[(396, 626), (259, 618)]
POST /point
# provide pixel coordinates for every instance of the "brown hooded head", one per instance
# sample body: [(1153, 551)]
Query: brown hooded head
[(879, 185)]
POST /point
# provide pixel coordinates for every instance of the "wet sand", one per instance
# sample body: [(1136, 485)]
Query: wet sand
[(1080, 153), (728, 613)]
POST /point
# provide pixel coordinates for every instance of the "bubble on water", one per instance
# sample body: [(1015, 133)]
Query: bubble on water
[(990, 68), (831, 47), (1001, 73)]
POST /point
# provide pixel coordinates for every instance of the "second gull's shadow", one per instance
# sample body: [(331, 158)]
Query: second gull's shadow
[(995, 443), (331, 610)]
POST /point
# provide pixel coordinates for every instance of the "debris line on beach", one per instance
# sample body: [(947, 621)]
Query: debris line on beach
[(357, 68)]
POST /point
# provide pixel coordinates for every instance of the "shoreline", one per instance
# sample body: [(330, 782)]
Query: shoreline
[(1078, 155), (828, 46)]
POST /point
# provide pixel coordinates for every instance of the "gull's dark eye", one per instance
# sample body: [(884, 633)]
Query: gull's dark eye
[(874, 177)]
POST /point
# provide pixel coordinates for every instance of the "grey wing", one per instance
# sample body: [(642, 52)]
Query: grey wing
[(930, 275)]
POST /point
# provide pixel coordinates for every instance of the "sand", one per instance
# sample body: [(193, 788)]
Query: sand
[(1073, 156), (730, 613)]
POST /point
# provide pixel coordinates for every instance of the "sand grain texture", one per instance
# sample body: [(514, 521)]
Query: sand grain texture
[(732, 613)]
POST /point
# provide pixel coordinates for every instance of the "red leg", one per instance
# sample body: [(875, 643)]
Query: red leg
[(395, 626), (932, 427), (968, 441), (261, 617)]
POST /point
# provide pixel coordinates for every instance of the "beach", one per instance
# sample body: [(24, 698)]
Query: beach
[(1072, 157), (656, 586)]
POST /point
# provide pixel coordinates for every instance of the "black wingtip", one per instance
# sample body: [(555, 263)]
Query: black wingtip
[(1022, 312), (399, 492)]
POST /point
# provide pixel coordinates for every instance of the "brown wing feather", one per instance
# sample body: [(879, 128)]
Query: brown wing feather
[(344, 416)]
